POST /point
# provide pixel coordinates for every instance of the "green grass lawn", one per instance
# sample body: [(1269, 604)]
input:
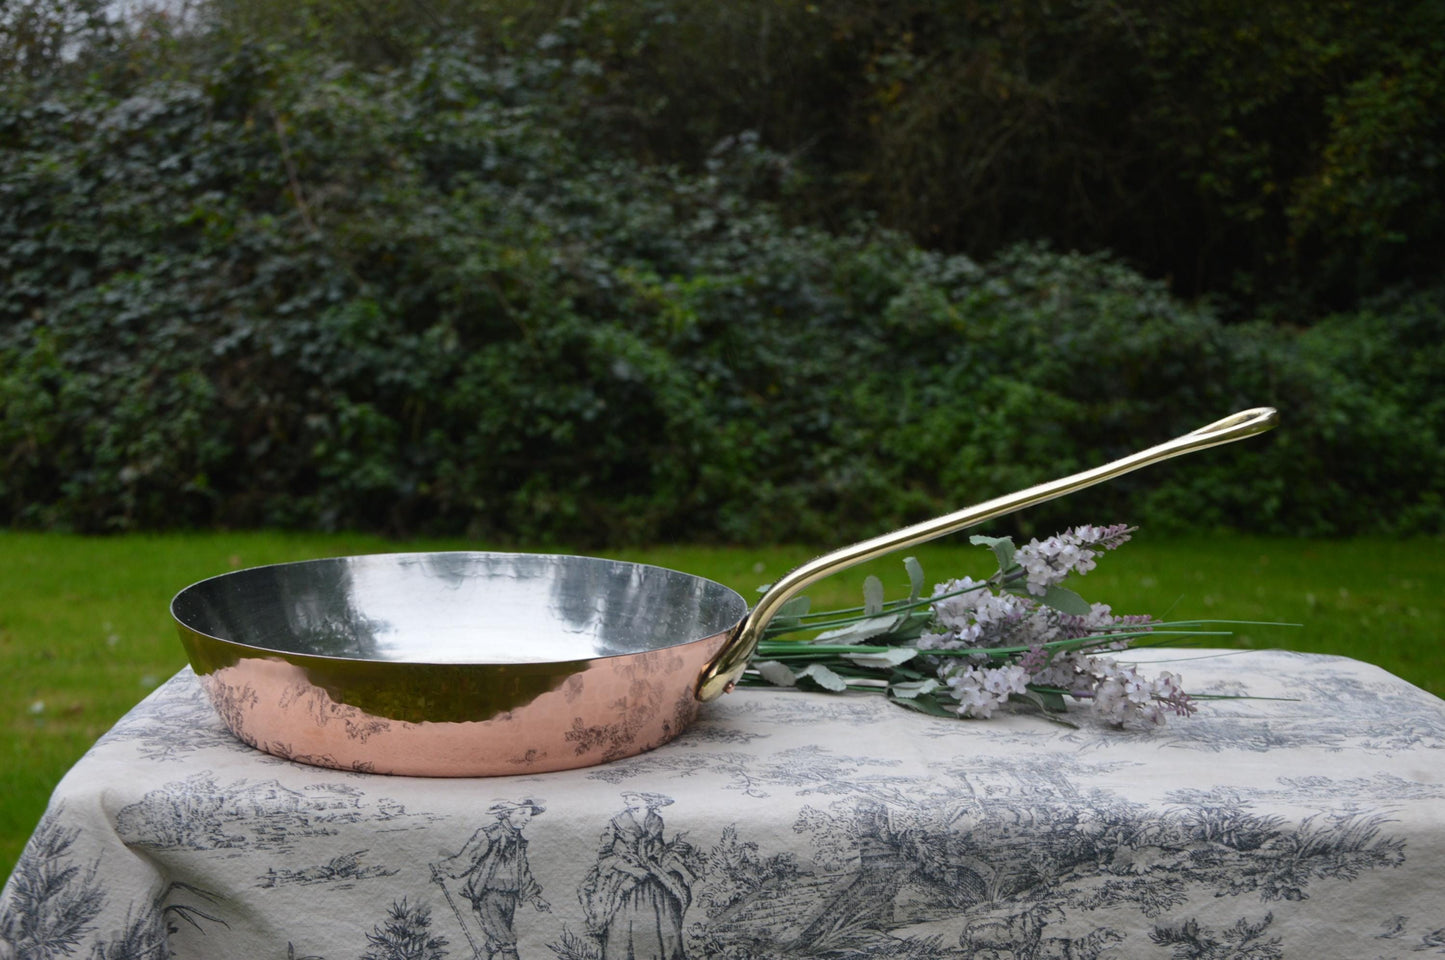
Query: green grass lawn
[(85, 630)]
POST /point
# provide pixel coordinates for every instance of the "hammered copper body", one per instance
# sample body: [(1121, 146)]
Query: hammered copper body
[(486, 664), (455, 664)]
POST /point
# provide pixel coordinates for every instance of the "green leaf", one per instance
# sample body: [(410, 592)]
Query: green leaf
[(915, 577), (1065, 600), (872, 596), (911, 689), (1042, 701), (886, 659), (925, 703), (775, 673), (796, 607), (1050, 700), (789, 616), (911, 625), (819, 675), (1002, 547), (859, 631)]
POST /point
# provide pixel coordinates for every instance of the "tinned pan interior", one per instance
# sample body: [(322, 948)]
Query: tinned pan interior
[(455, 664)]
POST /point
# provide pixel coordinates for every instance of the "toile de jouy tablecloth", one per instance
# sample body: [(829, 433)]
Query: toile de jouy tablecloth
[(782, 824)]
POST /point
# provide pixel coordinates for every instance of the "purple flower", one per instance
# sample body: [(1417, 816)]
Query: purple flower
[(981, 690), (1014, 641), (1120, 694), (1049, 562)]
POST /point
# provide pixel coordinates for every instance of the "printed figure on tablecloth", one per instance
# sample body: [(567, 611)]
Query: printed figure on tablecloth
[(492, 874), (637, 893)]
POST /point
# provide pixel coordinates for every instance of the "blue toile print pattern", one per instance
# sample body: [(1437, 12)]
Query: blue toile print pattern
[(782, 824)]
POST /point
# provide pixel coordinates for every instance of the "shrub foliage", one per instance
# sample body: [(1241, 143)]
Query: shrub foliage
[(1283, 154), (268, 288)]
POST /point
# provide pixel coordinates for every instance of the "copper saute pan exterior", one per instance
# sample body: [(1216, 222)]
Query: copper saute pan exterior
[(490, 664)]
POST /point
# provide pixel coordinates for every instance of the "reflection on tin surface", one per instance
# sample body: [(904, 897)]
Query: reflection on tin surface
[(459, 608)]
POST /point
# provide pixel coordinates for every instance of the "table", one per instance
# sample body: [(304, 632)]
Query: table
[(782, 824)]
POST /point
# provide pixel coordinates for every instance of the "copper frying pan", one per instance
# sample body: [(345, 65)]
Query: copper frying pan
[(486, 664)]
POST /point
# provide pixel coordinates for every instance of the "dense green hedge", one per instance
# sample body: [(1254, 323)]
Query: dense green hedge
[(1283, 155), (283, 290)]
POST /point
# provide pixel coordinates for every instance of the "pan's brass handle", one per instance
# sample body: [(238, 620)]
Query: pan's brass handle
[(720, 675)]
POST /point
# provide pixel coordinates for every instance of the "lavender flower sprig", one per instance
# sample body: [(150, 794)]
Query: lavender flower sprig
[(973, 646)]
